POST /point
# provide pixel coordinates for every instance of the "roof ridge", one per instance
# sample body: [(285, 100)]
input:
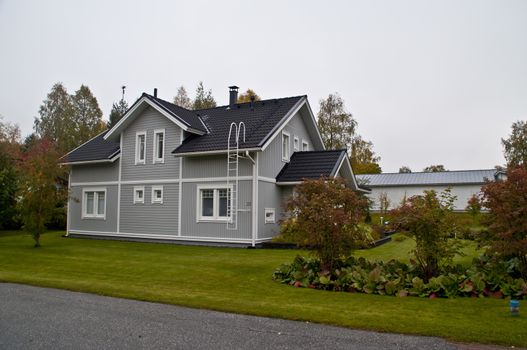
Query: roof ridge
[(247, 103)]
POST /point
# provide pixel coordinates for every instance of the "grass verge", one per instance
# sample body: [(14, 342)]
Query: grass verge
[(239, 280)]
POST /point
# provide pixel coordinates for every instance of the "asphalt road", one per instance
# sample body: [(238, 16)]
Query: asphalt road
[(41, 318)]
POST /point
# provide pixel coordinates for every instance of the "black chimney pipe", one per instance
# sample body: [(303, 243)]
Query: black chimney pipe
[(155, 92), (253, 98), (233, 95)]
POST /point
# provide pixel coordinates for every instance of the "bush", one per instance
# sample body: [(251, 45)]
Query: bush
[(429, 220), (488, 277), (324, 216)]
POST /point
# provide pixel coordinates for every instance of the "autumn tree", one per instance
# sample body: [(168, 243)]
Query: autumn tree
[(326, 216), (337, 126), (117, 112), (430, 221), (39, 188), (181, 99), (204, 98), (246, 96), (474, 207), (506, 202), (384, 203), (87, 115), (405, 170), (9, 155), (434, 168), (515, 146), (363, 158)]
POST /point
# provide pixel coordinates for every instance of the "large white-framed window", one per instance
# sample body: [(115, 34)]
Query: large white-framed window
[(139, 194), (212, 203), (94, 203), (305, 146), (157, 194), (140, 147), (269, 216), (286, 140), (159, 146), (296, 144)]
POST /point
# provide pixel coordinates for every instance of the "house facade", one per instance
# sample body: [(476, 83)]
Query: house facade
[(397, 186), (213, 175)]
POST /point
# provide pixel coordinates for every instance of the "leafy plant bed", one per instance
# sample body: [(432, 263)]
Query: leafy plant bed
[(486, 278)]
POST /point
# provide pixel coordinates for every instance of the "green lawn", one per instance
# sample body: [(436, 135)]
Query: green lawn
[(239, 280)]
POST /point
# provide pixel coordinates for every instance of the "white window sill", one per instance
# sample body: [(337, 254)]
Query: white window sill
[(212, 220), (93, 218)]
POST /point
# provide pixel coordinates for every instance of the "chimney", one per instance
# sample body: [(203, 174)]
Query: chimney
[(252, 102), (155, 92), (233, 95)]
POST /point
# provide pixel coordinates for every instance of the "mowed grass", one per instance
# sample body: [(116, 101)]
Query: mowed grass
[(239, 280)]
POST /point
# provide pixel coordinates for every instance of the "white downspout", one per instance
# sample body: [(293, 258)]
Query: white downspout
[(119, 184), (255, 200)]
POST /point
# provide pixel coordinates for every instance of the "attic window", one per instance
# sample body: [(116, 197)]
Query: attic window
[(140, 147), (285, 146), (159, 146), (305, 146), (296, 144)]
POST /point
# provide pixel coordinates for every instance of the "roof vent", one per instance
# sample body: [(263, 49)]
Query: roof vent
[(233, 95), (155, 92), (252, 102)]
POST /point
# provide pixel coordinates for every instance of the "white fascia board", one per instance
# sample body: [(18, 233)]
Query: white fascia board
[(288, 183), (110, 160), (278, 127), (315, 124), (131, 112), (206, 153)]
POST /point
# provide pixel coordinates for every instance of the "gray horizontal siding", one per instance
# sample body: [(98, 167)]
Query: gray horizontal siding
[(270, 162), (269, 196), (212, 166), (75, 210), (189, 226), (95, 172), (149, 121), (150, 218)]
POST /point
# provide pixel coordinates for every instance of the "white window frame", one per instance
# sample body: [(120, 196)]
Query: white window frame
[(215, 203), (296, 144), (137, 152), (285, 157), (138, 200), (305, 146), (271, 211), (154, 199), (95, 214), (155, 158)]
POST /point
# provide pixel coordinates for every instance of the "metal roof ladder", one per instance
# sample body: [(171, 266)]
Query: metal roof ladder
[(233, 159)]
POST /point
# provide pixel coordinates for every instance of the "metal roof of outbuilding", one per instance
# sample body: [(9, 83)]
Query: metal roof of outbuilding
[(456, 177)]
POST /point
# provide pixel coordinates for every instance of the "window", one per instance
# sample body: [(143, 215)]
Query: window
[(296, 144), (139, 194), (140, 147), (159, 146), (213, 203), (269, 216), (285, 146), (305, 146), (94, 203), (157, 194)]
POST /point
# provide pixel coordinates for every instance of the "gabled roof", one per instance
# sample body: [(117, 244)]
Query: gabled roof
[(185, 119), (311, 165), (260, 120), (446, 178), (95, 150)]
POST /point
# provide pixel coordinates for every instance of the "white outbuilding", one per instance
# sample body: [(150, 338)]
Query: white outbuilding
[(397, 186)]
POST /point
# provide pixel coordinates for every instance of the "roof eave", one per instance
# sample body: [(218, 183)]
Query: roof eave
[(111, 159)]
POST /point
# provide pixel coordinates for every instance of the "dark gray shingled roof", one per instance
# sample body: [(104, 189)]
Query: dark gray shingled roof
[(259, 122), (95, 149), (189, 118), (311, 165), (457, 177)]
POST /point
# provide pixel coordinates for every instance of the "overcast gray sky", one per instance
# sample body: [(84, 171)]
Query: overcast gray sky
[(430, 82)]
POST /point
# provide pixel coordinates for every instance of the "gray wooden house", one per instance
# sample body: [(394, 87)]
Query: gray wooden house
[(214, 175)]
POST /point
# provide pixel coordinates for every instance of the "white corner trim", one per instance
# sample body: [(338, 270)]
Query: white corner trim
[(180, 187), (119, 184)]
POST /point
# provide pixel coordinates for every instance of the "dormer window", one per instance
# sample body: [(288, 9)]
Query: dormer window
[(285, 146), (159, 146), (140, 147)]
